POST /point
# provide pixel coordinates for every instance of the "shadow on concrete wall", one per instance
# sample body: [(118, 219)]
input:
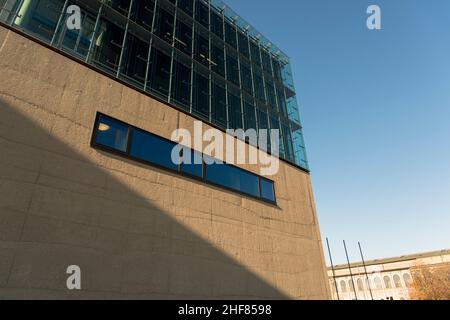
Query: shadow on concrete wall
[(57, 208)]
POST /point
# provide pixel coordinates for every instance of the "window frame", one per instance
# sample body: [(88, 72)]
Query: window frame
[(127, 154)]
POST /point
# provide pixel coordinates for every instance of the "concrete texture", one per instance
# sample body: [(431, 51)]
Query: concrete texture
[(135, 231)]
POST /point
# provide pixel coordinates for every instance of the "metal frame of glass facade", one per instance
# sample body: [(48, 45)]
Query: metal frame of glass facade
[(196, 55)]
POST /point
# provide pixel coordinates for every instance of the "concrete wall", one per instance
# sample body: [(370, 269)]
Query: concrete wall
[(135, 231)]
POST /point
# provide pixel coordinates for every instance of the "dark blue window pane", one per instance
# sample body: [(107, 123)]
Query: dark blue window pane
[(152, 149), (112, 134), (195, 168), (267, 191), (233, 178), (186, 5)]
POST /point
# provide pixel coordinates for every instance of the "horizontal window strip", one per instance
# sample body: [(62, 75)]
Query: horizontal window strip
[(115, 136)]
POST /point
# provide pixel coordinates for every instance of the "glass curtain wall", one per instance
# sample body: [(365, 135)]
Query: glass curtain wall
[(199, 56)]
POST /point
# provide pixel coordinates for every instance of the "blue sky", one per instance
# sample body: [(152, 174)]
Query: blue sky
[(375, 107)]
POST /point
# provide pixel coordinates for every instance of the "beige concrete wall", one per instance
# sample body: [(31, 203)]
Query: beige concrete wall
[(135, 231)]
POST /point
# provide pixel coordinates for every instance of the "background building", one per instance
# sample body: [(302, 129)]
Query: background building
[(86, 180), (388, 278)]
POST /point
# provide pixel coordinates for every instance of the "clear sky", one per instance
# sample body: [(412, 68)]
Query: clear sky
[(375, 107)]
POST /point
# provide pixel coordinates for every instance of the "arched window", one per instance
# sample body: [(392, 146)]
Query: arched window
[(368, 285), (378, 284), (407, 279), (360, 285), (343, 286), (387, 282), (397, 281), (350, 285)]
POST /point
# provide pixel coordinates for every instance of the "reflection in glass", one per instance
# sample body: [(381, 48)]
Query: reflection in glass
[(219, 105), (135, 57), (195, 167), (164, 25), (112, 134), (267, 191), (233, 178), (121, 6), (159, 72), (217, 24), (181, 91), (78, 41), (200, 103), (142, 13), (152, 149), (39, 17), (237, 57), (230, 35), (234, 109), (201, 49), (183, 39), (108, 45)]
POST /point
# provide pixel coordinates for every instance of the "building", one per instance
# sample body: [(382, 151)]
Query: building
[(86, 115), (386, 279)]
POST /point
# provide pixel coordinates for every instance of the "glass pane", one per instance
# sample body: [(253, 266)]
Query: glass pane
[(277, 70), (159, 72), (234, 104), (275, 125), (112, 134), (292, 107), (272, 100), (39, 17), (181, 91), (230, 35), (201, 13), (218, 59), (152, 149), (183, 39), (195, 168), (267, 66), (232, 70), (219, 105), (281, 101), (249, 116), (201, 49), (246, 77), (135, 58), (267, 191), (299, 149), (287, 141), (108, 45), (217, 24), (187, 6), (200, 104), (243, 45), (263, 124), (256, 57), (259, 86), (121, 6), (78, 41), (233, 178), (142, 13), (164, 25)]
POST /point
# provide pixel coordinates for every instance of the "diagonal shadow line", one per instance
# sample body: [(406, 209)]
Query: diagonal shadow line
[(58, 207)]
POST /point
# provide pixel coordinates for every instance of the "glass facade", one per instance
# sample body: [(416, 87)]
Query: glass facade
[(196, 55)]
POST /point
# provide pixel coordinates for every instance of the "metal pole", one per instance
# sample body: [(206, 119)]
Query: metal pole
[(365, 270), (332, 269), (350, 269)]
